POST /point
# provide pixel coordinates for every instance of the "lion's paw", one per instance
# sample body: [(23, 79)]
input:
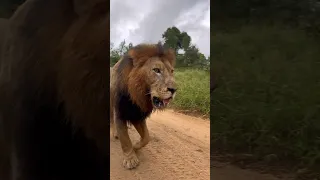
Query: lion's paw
[(140, 144), (131, 161)]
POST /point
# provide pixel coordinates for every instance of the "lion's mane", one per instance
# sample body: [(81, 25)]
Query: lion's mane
[(55, 92)]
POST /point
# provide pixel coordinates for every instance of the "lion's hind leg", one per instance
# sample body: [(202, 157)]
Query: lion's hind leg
[(142, 129)]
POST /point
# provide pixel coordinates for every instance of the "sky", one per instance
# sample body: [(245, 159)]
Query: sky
[(144, 21)]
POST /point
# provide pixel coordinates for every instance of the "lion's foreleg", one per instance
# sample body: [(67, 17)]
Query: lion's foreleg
[(113, 128), (144, 133), (130, 158)]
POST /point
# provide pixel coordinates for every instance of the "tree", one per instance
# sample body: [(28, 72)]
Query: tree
[(114, 56), (176, 39), (116, 53), (191, 56), (111, 46), (185, 39), (122, 48), (202, 59), (302, 14), (171, 38)]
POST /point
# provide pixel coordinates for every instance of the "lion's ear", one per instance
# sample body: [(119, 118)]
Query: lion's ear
[(132, 54), (171, 55)]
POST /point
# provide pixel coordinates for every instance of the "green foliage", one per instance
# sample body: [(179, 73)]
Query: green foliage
[(227, 14), (283, 9), (173, 38), (116, 53), (268, 100), (185, 40), (193, 90), (191, 57)]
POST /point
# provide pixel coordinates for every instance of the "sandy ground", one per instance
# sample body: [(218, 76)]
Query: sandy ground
[(179, 149)]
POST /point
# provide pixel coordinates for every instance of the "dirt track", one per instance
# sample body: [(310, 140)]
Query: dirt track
[(179, 149)]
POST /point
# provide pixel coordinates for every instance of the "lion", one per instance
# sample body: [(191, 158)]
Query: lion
[(213, 82), (4, 24), (142, 81), (54, 94), (3, 28), (4, 150)]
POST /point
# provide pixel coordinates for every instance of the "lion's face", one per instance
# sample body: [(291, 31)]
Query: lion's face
[(160, 81)]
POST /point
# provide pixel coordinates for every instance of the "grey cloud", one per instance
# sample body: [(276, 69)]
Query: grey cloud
[(161, 15)]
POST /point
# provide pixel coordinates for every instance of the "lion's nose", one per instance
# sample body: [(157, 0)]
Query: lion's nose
[(172, 90)]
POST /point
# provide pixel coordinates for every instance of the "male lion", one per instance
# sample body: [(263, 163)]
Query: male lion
[(142, 81), (3, 150), (54, 92), (3, 29)]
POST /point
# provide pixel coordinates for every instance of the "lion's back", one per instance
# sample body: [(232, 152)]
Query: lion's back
[(113, 75), (4, 23)]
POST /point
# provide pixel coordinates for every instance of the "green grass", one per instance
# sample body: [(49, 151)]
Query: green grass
[(268, 100), (193, 90)]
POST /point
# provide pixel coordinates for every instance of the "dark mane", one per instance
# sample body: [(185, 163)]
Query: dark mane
[(55, 108)]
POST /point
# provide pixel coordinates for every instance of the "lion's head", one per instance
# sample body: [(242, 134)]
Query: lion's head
[(148, 72)]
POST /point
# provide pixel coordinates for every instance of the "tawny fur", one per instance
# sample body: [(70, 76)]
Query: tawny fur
[(133, 75), (55, 92), (134, 80)]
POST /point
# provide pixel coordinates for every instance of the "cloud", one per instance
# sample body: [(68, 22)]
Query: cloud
[(146, 20)]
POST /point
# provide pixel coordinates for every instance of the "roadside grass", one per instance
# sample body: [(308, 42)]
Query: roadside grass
[(193, 93), (268, 99)]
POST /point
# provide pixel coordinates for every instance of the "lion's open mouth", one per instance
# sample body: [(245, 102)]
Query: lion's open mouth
[(160, 103)]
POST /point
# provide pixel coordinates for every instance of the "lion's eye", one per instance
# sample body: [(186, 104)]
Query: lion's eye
[(156, 70)]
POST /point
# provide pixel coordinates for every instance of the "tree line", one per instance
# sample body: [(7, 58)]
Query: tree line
[(304, 14), (187, 54)]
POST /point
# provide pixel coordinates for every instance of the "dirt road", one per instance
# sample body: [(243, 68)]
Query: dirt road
[(179, 149)]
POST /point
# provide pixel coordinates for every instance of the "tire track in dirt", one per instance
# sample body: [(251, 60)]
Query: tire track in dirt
[(179, 150), (176, 150)]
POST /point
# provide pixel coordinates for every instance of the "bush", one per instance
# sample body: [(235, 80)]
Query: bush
[(193, 90), (268, 100)]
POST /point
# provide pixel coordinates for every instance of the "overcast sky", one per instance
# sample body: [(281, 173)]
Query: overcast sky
[(144, 21)]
